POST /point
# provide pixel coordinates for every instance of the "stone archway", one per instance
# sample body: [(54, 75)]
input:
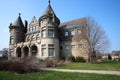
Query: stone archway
[(34, 50), (26, 51), (18, 52)]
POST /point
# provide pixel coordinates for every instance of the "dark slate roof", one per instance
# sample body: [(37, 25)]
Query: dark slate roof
[(73, 23), (49, 10), (18, 22)]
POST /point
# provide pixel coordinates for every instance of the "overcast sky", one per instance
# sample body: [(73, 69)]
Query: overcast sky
[(105, 12)]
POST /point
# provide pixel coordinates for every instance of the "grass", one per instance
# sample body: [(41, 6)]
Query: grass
[(54, 75), (106, 65)]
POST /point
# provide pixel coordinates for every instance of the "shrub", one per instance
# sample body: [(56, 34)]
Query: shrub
[(79, 59), (4, 66), (17, 66), (25, 65), (72, 58), (49, 63), (33, 64)]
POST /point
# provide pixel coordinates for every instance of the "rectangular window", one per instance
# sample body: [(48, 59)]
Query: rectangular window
[(51, 51), (51, 46), (72, 32), (73, 46), (43, 33), (11, 40), (50, 33), (43, 46), (43, 51), (79, 31), (66, 33), (66, 47), (80, 45), (33, 28)]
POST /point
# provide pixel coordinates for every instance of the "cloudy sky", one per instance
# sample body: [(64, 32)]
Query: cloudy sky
[(105, 12)]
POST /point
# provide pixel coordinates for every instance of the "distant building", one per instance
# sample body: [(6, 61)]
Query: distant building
[(47, 37), (115, 54)]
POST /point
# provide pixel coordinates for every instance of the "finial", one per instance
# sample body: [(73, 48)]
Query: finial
[(49, 1), (19, 14)]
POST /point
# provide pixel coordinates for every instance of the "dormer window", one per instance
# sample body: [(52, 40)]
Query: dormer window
[(51, 18)]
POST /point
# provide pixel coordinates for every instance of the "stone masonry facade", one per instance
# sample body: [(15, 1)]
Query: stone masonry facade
[(47, 37)]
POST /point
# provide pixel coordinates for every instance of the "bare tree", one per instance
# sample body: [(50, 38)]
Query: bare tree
[(96, 38)]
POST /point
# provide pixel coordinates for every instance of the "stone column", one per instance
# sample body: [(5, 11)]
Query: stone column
[(22, 53), (29, 52)]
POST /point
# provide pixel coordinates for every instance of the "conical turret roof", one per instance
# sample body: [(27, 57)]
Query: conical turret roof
[(18, 22), (48, 12)]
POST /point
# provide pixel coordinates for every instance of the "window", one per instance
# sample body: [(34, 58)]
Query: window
[(50, 45), (50, 33), (80, 45), (50, 18), (33, 37), (72, 32), (51, 51), (11, 40), (66, 47), (66, 33), (38, 37), (37, 28), (43, 33), (43, 51), (79, 31), (43, 46), (73, 46), (33, 28)]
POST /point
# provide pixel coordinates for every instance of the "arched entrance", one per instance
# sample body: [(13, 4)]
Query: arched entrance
[(34, 50), (26, 51), (18, 52)]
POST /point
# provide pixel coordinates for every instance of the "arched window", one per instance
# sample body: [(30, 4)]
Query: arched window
[(38, 37), (33, 37)]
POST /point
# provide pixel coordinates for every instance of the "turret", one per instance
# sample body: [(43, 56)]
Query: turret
[(49, 33), (17, 31)]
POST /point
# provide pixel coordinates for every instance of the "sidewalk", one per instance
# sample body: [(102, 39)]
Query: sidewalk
[(85, 71)]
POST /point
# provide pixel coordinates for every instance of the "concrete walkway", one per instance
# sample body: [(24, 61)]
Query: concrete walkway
[(85, 71)]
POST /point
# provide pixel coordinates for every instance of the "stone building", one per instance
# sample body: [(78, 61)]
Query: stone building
[(47, 37)]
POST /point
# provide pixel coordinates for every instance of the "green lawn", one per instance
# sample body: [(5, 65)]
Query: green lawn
[(51, 75), (108, 65)]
